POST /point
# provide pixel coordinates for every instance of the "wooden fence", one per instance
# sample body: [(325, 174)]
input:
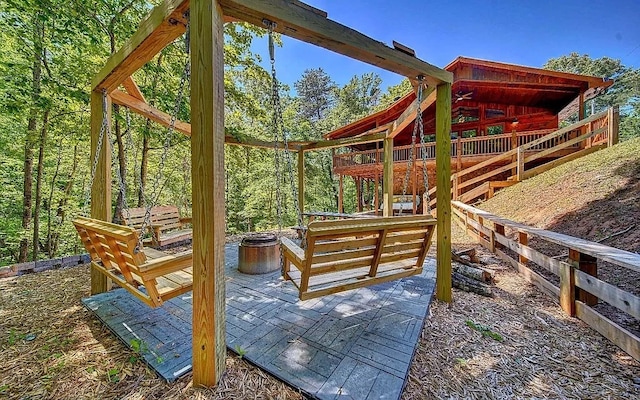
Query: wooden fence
[(580, 288)]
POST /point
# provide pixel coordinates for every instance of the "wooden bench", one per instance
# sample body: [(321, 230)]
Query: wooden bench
[(349, 254), (114, 252), (165, 225)]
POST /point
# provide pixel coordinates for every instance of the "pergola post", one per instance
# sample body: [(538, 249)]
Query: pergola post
[(207, 176), (387, 178), (301, 180), (101, 185), (443, 194)]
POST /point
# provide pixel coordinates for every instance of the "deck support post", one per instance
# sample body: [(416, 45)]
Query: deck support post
[(207, 175), (301, 180), (587, 264), (387, 179), (443, 194), (101, 185), (340, 194), (358, 194)]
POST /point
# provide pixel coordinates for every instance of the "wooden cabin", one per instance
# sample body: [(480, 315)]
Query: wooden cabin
[(495, 107)]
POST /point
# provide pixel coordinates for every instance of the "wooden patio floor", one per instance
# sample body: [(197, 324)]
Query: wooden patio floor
[(357, 344)]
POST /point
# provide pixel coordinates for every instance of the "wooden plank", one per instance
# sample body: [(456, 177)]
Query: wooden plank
[(563, 145), (621, 337), (101, 185), (613, 295), (613, 123), (387, 178), (443, 183), (132, 88), (524, 251), (380, 247), (567, 289), (306, 271), (350, 141), (303, 24), (164, 24), (207, 176), (409, 115), (587, 264)]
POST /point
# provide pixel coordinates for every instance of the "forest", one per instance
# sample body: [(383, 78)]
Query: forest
[(52, 48)]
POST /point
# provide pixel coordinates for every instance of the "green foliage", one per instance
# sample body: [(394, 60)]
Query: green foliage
[(485, 330), (239, 350), (625, 92)]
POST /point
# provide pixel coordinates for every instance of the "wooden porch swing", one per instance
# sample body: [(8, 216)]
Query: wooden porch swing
[(118, 252)]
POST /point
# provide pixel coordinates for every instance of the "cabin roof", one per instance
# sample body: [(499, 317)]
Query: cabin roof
[(483, 81)]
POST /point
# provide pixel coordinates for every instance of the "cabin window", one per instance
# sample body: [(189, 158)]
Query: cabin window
[(460, 115), (495, 129), (469, 133)]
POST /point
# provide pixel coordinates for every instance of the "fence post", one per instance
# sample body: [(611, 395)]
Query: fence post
[(523, 239), (613, 119), (459, 153), (587, 264), (567, 289), (499, 229)]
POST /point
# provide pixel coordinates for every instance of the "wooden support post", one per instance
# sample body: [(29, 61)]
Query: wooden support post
[(567, 289), (456, 182), (101, 185), (387, 178), (613, 121), (358, 194), (499, 229), (443, 194), (459, 153), (581, 111), (340, 194), (301, 180), (207, 176), (514, 144), (520, 164), (587, 264), (523, 239), (376, 199)]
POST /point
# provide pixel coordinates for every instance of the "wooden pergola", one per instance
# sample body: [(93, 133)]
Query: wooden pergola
[(206, 19)]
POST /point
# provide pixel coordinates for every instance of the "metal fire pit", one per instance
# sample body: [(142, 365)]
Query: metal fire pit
[(259, 254)]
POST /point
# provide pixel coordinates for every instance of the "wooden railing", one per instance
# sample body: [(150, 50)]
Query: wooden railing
[(468, 147), (579, 287), (579, 139)]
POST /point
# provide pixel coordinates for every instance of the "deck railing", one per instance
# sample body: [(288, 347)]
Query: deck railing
[(573, 282)]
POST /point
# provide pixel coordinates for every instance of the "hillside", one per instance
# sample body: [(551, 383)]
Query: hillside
[(596, 197)]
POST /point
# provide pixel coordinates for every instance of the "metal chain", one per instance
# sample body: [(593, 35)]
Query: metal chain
[(120, 173), (103, 128), (416, 126), (425, 175), (155, 193)]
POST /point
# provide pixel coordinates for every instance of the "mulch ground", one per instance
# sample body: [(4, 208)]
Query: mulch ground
[(52, 348)]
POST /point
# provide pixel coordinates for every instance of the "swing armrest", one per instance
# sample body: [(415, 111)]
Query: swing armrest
[(185, 220), (292, 252)]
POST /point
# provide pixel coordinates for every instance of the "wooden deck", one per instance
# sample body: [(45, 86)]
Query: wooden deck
[(357, 344)]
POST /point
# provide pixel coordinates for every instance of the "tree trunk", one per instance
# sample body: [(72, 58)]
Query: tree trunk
[(36, 71), (469, 285), (62, 204), (49, 206), (40, 168)]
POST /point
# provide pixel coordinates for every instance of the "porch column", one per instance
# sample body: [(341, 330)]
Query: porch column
[(358, 194), (443, 193), (340, 194), (101, 185), (387, 178), (207, 176), (301, 180), (376, 200)]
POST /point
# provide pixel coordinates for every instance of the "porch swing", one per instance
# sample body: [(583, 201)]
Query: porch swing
[(340, 255), (118, 252)]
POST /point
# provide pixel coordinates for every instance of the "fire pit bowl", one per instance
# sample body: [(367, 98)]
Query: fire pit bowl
[(259, 254)]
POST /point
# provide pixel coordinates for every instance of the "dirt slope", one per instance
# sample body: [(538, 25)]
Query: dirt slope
[(592, 198)]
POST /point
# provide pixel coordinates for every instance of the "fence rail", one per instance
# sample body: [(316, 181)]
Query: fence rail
[(580, 288)]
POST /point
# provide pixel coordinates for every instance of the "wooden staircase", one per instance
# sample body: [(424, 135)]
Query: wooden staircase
[(482, 180)]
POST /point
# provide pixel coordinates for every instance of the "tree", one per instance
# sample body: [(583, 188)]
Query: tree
[(625, 92), (315, 94)]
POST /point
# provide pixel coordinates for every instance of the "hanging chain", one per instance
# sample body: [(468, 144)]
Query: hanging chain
[(120, 172), (425, 175), (155, 192), (94, 167), (417, 126), (276, 108)]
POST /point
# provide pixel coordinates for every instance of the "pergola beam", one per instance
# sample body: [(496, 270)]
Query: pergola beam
[(330, 144), (297, 20), (409, 115), (165, 23), (148, 111)]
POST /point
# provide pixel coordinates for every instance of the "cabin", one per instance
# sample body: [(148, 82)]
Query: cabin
[(495, 108)]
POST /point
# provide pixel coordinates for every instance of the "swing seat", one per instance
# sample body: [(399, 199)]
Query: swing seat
[(166, 226), (113, 251), (349, 254)]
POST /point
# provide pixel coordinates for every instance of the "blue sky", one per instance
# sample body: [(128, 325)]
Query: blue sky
[(525, 32)]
